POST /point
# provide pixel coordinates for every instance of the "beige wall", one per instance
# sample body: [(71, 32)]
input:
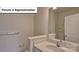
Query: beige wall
[(26, 24), (41, 21), (22, 23), (60, 21)]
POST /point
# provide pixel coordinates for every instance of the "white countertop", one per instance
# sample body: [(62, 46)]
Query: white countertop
[(43, 44)]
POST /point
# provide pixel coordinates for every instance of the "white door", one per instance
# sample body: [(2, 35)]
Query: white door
[(72, 28)]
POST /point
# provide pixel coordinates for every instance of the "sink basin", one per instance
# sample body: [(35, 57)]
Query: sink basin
[(54, 48), (68, 45), (50, 46)]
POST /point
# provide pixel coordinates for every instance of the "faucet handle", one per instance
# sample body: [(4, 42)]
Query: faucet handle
[(58, 44)]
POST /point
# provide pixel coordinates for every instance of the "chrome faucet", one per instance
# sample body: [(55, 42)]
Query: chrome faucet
[(58, 43)]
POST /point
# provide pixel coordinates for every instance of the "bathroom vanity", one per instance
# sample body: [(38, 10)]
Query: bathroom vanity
[(41, 44), (47, 46)]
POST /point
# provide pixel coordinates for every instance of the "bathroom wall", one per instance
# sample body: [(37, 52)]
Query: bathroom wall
[(22, 23), (41, 21), (60, 21)]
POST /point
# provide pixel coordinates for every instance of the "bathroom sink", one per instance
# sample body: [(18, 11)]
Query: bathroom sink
[(54, 48), (69, 45), (66, 44), (50, 46), (46, 46)]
